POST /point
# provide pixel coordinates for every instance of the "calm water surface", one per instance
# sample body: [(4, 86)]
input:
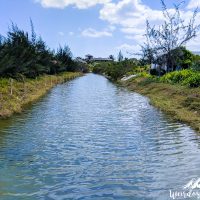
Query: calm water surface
[(89, 139)]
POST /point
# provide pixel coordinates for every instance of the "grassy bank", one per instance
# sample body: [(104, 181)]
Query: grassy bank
[(15, 95), (180, 102)]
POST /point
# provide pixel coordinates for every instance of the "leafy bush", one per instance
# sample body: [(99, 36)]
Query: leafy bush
[(196, 65), (155, 72), (176, 76), (184, 77), (193, 80), (145, 75)]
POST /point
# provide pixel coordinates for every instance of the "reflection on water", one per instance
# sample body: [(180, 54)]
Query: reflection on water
[(88, 139)]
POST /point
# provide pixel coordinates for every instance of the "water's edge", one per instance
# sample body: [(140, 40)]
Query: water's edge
[(172, 105), (35, 89), (89, 139)]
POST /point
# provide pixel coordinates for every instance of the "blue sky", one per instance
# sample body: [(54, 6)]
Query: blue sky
[(98, 27)]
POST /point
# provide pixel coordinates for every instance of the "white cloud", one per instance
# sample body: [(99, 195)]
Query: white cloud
[(131, 16), (129, 13), (130, 37), (193, 4), (133, 30), (61, 33), (81, 4), (193, 44), (130, 50), (136, 34), (90, 32), (128, 47), (71, 33), (111, 28)]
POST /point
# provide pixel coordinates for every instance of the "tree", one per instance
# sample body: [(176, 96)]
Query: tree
[(112, 57), (182, 57), (64, 55), (33, 34), (196, 62), (174, 33), (24, 54), (120, 56)]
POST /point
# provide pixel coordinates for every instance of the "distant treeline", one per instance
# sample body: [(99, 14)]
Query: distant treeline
[(116, 70), (27, 54)]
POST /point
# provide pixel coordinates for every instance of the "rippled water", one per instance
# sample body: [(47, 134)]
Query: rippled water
[(89, 139)]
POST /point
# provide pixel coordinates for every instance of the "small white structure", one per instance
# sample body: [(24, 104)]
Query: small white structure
[(158, 67), (126, 78), (80, 60), (153, 66), (90, 58)]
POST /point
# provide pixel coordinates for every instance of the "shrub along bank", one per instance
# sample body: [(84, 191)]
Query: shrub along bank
[(184, 77)]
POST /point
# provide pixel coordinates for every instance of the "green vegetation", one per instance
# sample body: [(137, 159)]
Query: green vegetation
[(28, 69), (184, 77), (180, 102), (196, 63), (165, 43), (116, 70), (176, 93), (26, 54), (16, 94)]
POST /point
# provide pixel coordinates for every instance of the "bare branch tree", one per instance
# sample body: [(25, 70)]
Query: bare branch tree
[(174, 33)]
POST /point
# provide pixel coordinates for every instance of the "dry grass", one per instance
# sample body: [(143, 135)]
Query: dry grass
[(180, 102), (14, 99)]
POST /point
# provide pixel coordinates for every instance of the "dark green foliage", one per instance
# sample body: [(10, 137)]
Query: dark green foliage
[(30, 56), (120, 57), (115, 70), (99, 69), (155, 72), (182, 58), (64, 55), (196, 63), (112, 57)]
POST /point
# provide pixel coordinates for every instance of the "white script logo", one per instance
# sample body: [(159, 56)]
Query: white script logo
[(193, 184), (190, 190)]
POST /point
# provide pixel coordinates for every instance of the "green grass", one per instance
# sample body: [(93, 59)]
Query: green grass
[(179, 101), (14, 99)]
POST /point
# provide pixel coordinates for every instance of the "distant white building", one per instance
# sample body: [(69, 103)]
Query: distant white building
[(156, 66), (102, 59), (90, 58), (80, 60)]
